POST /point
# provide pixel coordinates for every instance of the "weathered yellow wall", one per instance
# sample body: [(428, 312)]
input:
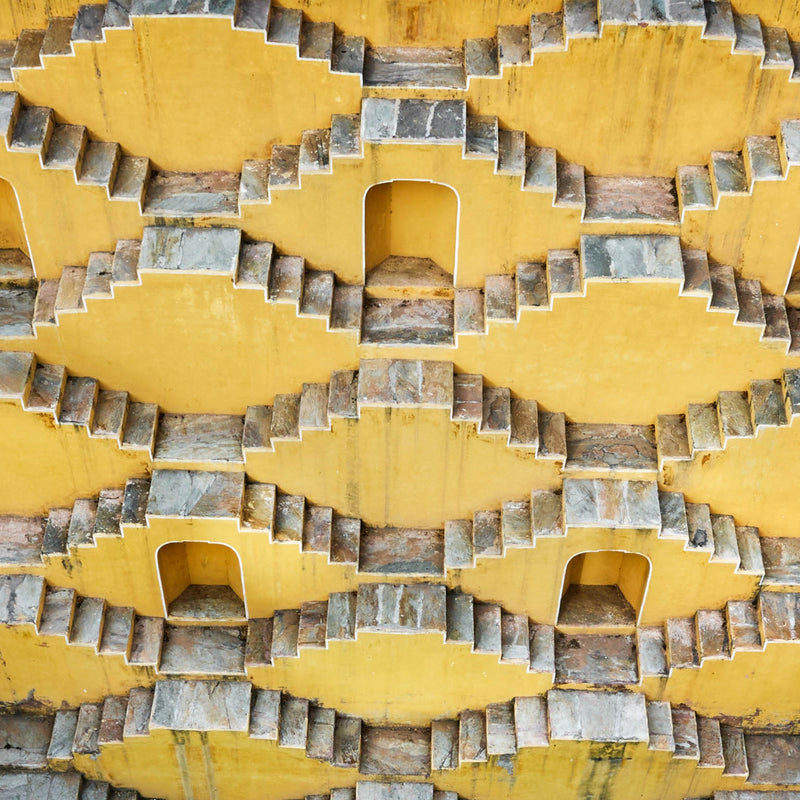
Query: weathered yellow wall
[(754, 479), (574, 358), (192, 95)]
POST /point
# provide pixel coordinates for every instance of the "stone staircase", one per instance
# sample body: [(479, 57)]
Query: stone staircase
[(228, 438), (563, 656), (34, 742), (40, 784), (262, 508), (414, 67), (598, 198), (279, 26), (27, 304)]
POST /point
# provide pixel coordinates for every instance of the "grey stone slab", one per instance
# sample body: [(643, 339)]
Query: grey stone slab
[(743, 625), (348, 54), (703, 426), (112, 722), (547, 513), (780, 616), (21, 598), (117, 631), (345, 135), (673, 515), (100, 164), (481, 58), (515, 638), (293, 724), (285, 25), (460, 618), (631, 199), (316, 40), (530, 722), (701, 532), (472, 737), (137, 716), (610, 503), (285, 631), (284, 167), (516, 524), (444, 744), (597, 716), (395, 751), (341, 620), (532, 285), (201, 706), (467, 397), (409, 551), (87, 730), (524, 424), (541, 171), (202, 650), (766, 400), (47, 388), (481, 137), (321, 727), (681, 640), (513, 44), (595, 659), (199, 437), (254, 181), (511, 156), (257, 429), (712, 634), (347, 308), (397, 608), (87, 624), (468, 311), (64, 725), (187, 493), (547, 31), (132, 178), (763, 155), (312, 624), (405, 383), (21, 540), (317, 298), (264, 714), (500, 297), (781, 560), (345, 540), (659, 723), (570, 185), (694, 188), (16, 375), (488, 628), (258, 649), (652, 651), (140, 426), (412, 321), (16, 311), (790, 139), (733, 750), (33, 128), (57, 612), (501, 738), (617, 12), (734, 415), (542, 649), (728, 172), (611, 447), (19, 785), (684, 731), (724, 532), (563, 273), (24, 740), (697, 279), (749, 38), (317, 529), (208, 250), (487, 536), (254, 263), (632, 258), (386, 790), (430, 68)]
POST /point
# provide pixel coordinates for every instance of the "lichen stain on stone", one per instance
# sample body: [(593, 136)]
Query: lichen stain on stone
[(506, 763)]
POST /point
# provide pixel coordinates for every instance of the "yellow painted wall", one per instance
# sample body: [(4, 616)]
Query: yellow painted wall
[(753, 479), (161, 354), (193, 95)]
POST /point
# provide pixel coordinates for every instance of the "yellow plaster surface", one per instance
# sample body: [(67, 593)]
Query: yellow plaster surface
[(754, 479)]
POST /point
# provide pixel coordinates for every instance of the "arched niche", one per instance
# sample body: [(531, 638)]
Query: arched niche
[(411, 220), (603, 589), (201, 581), (15, 261)]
